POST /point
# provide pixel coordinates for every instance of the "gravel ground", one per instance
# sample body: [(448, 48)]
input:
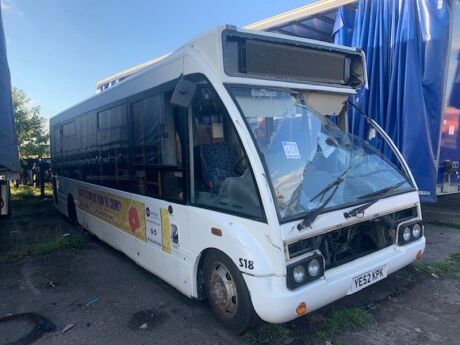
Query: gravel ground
[(110, 300)]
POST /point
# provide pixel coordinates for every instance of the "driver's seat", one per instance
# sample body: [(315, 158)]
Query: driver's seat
[(218, 162)]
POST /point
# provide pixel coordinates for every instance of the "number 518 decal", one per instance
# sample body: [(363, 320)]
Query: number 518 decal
[(249, 264)]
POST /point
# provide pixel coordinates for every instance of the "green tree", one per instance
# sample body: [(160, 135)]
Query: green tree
[(30, 126)]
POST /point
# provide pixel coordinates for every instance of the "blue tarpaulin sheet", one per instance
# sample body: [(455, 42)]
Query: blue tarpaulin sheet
[(406, 44), (9, 159)]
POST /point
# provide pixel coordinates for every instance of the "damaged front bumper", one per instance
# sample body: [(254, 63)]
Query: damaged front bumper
[(275, 303)]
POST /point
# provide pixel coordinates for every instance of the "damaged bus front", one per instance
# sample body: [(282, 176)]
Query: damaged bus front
[(349, 215)]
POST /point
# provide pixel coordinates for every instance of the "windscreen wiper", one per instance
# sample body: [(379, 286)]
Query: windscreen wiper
[(334, 185), (380, 194)]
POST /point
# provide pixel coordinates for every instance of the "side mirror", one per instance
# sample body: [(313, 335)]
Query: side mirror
[(183, 93)]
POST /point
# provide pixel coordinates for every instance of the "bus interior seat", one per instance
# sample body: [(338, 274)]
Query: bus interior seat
[(218, 163)]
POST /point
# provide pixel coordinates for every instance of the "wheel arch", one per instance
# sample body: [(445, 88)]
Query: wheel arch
[(198, 273)]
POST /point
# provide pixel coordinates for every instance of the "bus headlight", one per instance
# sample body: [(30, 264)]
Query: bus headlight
[(314, 267), (406, 234), (417, 231), (304, 271), (409, 233), (299, 273)]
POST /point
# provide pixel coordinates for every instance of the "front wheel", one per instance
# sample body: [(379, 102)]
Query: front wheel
[(227, 293)]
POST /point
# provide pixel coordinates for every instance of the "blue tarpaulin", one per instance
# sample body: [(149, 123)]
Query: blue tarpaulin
[(406, 44), (9, 157)]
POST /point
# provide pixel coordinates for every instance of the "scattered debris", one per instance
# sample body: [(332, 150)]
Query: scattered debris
[(418, 330), (147, 319), (67, 327), (93, 301), (327, 342), (42, 325)]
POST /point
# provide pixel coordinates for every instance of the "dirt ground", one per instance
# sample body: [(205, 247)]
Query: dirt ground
[(51, 268)]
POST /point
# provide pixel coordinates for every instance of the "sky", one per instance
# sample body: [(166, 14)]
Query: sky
[(58, 49)]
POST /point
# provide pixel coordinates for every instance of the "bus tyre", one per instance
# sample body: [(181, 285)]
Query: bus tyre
[(6, 214), (227, 293), (72, 211)]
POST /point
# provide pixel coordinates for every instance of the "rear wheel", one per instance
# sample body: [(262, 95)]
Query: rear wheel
[(7, 200), (227, 293), (71, 210)]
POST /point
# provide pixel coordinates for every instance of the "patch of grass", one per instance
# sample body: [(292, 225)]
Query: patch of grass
[(444, 223), (23, 193), (442, 269), (350, 319), (268, 334), (57, 244), (455, 257), (52, 245)]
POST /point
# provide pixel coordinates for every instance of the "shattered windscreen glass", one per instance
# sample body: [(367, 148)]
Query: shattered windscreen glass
[(305, 151)]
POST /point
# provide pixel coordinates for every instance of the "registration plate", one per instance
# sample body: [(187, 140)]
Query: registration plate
[(368, 278)]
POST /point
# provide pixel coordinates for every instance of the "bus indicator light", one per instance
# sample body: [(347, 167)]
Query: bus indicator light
[(419, 255), (301, 309), (216, 232)]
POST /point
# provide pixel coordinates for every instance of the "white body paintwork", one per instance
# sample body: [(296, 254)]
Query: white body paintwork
[(262, 242)]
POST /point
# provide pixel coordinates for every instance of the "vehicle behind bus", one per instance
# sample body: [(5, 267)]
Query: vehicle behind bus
[(227, 170), (9, 156)]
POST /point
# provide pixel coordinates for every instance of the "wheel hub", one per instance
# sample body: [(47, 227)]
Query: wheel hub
[(223, 290)]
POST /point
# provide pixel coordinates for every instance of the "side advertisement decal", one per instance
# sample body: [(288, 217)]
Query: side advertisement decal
[(165, 230), (125, 214), (158, 227)]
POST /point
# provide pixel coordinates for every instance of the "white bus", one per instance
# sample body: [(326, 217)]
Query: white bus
[(226, 169)]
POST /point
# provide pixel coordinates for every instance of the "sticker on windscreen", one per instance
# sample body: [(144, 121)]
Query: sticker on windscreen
[(291, 151)]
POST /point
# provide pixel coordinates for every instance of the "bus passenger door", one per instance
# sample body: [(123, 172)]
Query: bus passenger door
[(158, 163)]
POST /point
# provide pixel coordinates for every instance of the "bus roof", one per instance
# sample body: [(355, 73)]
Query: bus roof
[(128, 85)]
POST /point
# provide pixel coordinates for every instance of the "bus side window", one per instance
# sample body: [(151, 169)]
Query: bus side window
[(221, 172), (157, 160), (111, 169)]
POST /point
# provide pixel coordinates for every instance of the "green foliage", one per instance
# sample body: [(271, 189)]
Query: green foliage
[(58, 244), (442, 269), (30, 126), (52, 245), (455, 257), (29, 193), (350, 319), (267, 334)]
